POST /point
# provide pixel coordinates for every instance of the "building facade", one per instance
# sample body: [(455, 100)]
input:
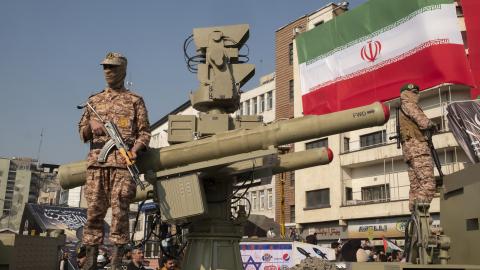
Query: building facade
[(20, 182), (51, 192), (260, 101), (285, 60), (363, 193)]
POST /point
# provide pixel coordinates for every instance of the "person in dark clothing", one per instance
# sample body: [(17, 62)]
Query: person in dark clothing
[(64, 261), (349, 250), (137, 260), (312, 238)]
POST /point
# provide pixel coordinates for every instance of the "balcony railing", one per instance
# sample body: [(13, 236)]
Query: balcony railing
[(354, 146), (391, 130), (396, 192)]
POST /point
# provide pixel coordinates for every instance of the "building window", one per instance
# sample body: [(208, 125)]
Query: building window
[(254, 200), (292, 213), (346, 144), (318, 23), (317, 144), (247, 197), (290, 53), (292, 178), (318, 198), (269, 100), (139, 224), (241, 109), (261, 108), (374, 138), (376, 193), (348, 194), (459, 10), (464, 39), (262, 199), (254, 106), (247, 107), (290, 90), (270, 198)]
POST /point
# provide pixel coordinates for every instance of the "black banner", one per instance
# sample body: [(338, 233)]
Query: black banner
[(464, 122), (55, 217)]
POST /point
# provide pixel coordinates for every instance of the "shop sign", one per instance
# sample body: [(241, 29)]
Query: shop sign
[(327, 233), (377, 228), (385, 227)]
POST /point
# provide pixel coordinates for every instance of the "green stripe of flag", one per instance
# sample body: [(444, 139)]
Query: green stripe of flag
[(358, 24)]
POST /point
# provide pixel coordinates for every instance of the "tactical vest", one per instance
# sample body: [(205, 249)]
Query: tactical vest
[(408, 128)]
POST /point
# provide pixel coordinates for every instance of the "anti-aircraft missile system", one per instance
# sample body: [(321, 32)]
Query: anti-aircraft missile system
[(194, 178)]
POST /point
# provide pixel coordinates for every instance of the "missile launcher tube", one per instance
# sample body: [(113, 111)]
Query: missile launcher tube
[(244, 141), (74, 174), (279, 133), (287, 162)]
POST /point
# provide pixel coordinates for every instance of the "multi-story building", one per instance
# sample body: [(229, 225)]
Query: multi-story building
[(50, 191), (285, 98), (20, 181), (260, 101), (363, 192)]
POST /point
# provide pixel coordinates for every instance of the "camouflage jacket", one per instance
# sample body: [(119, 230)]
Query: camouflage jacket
[(412, 119), (125, 109)]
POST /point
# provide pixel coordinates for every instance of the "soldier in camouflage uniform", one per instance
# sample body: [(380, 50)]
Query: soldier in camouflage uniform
[(109, 184), (413, 124)]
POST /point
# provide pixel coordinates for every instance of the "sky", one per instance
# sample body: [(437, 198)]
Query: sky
[(50, 53)]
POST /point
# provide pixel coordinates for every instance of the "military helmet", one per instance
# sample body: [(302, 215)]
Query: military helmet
[(114, 58), (410, 87)]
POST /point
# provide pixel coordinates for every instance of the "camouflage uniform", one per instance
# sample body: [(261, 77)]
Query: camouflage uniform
[(109, 184), (415, 149)]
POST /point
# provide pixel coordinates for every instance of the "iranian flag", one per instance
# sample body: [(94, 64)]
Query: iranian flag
[(368, 53)]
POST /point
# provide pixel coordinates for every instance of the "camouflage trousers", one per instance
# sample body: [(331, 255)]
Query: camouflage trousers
[(420, 171), (107, 187)]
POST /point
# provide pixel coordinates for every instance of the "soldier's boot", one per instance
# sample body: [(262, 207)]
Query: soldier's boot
[(117, 255), (91, 259)]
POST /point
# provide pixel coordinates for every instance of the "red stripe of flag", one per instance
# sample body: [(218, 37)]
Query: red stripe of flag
[(472, 24), (427, 68)]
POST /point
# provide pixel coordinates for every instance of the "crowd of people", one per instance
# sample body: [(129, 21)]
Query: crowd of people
[(133, 259), (357, 250)]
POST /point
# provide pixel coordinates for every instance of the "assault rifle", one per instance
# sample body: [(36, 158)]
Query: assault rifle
[(397, 128), (428, 136), (117, 141)]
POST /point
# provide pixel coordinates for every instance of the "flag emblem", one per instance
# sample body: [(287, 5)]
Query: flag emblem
[(371, 51)]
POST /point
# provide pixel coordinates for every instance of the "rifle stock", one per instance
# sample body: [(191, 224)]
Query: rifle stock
[(436, 160)]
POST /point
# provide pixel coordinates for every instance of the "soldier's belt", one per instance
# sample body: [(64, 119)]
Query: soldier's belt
[(100, 145)]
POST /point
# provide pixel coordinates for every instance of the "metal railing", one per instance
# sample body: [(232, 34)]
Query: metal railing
[(390, 128), (396, 191)]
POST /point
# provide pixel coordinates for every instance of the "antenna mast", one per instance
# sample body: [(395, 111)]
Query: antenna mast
[(39, 148)]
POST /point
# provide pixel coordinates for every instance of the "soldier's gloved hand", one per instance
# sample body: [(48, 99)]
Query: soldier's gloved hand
[(137, 147), (97, 128)]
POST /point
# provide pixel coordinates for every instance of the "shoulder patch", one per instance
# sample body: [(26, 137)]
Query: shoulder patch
[(134, 95), (95, 95)]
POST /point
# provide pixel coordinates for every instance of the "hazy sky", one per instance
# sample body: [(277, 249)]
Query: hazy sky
[(50, 53)]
